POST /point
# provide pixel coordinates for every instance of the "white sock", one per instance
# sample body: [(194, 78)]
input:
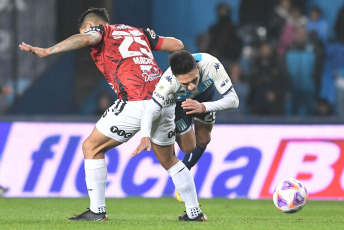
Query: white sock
[(96, 178), (185, 185)]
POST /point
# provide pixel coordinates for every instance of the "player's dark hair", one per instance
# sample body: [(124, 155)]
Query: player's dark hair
[(98, 12), (182, 62)]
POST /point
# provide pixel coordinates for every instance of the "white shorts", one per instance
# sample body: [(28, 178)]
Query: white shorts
[(122, 120)]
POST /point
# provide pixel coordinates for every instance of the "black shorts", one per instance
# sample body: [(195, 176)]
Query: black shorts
[(183, 121)]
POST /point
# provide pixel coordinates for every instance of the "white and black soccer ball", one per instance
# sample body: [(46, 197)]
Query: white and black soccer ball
[(290, 196)]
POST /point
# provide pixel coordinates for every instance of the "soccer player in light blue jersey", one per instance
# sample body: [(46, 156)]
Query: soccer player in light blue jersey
[(190, 82)]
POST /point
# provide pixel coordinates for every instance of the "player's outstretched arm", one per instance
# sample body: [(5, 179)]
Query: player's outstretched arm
[(74, 42)]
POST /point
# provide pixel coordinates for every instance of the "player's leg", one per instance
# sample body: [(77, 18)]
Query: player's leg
[(186, 141), (203, 126), (94, 148), (183, 181), (203, 137), (110, 131), (163, 140), (97, 144), (185, 134)]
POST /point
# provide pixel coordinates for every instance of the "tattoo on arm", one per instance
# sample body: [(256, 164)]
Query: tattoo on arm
[(74, 42)]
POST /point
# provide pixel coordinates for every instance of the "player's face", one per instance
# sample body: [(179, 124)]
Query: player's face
[(189, 80)]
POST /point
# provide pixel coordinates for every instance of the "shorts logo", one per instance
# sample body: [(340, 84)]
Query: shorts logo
[(171, 134), (119, 106), (114, 129), (181, 125)]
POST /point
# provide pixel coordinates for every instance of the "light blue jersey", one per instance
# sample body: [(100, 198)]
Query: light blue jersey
[(211, 71)]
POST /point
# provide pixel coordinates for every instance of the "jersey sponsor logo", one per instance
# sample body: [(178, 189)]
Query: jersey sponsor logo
[(150, 73), (158, 95), (161, 88), (143, 60), (119, 132)]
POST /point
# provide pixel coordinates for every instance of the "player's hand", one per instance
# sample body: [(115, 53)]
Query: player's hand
[(34, 50), (144, 145), (193, 106)]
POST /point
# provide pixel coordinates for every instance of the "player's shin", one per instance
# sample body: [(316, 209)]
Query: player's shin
[(96, 178), (185, 185), (191, 159)]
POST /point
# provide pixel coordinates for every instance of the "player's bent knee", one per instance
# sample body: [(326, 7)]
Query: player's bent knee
[(88, 150), (187, 149), (203, 142)]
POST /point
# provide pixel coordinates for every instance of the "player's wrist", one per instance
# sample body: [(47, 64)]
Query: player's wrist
[(145, 136), (204, 109)]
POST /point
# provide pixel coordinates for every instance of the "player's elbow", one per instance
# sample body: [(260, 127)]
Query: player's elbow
[(178, 45), (235, 103), (233, 100), (91, 40), (172, 45)]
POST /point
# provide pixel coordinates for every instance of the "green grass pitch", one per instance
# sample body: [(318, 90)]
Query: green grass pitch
[(162, 213)]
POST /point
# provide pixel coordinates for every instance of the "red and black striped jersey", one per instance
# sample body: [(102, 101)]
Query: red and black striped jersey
[(124, 56)]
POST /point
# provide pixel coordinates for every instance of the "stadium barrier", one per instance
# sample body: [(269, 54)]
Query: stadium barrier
[(44, 159)]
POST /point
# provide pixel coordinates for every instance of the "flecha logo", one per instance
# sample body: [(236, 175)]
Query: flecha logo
[(4, 131), (318, 163), (45, 153)]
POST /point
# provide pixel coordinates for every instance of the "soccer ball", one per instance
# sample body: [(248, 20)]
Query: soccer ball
[(290, 196)]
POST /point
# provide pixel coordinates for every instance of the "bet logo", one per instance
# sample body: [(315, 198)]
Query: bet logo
[(119, 132), (171, 134)]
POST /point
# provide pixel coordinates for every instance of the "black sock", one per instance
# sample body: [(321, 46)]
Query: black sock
[(191, 159)]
